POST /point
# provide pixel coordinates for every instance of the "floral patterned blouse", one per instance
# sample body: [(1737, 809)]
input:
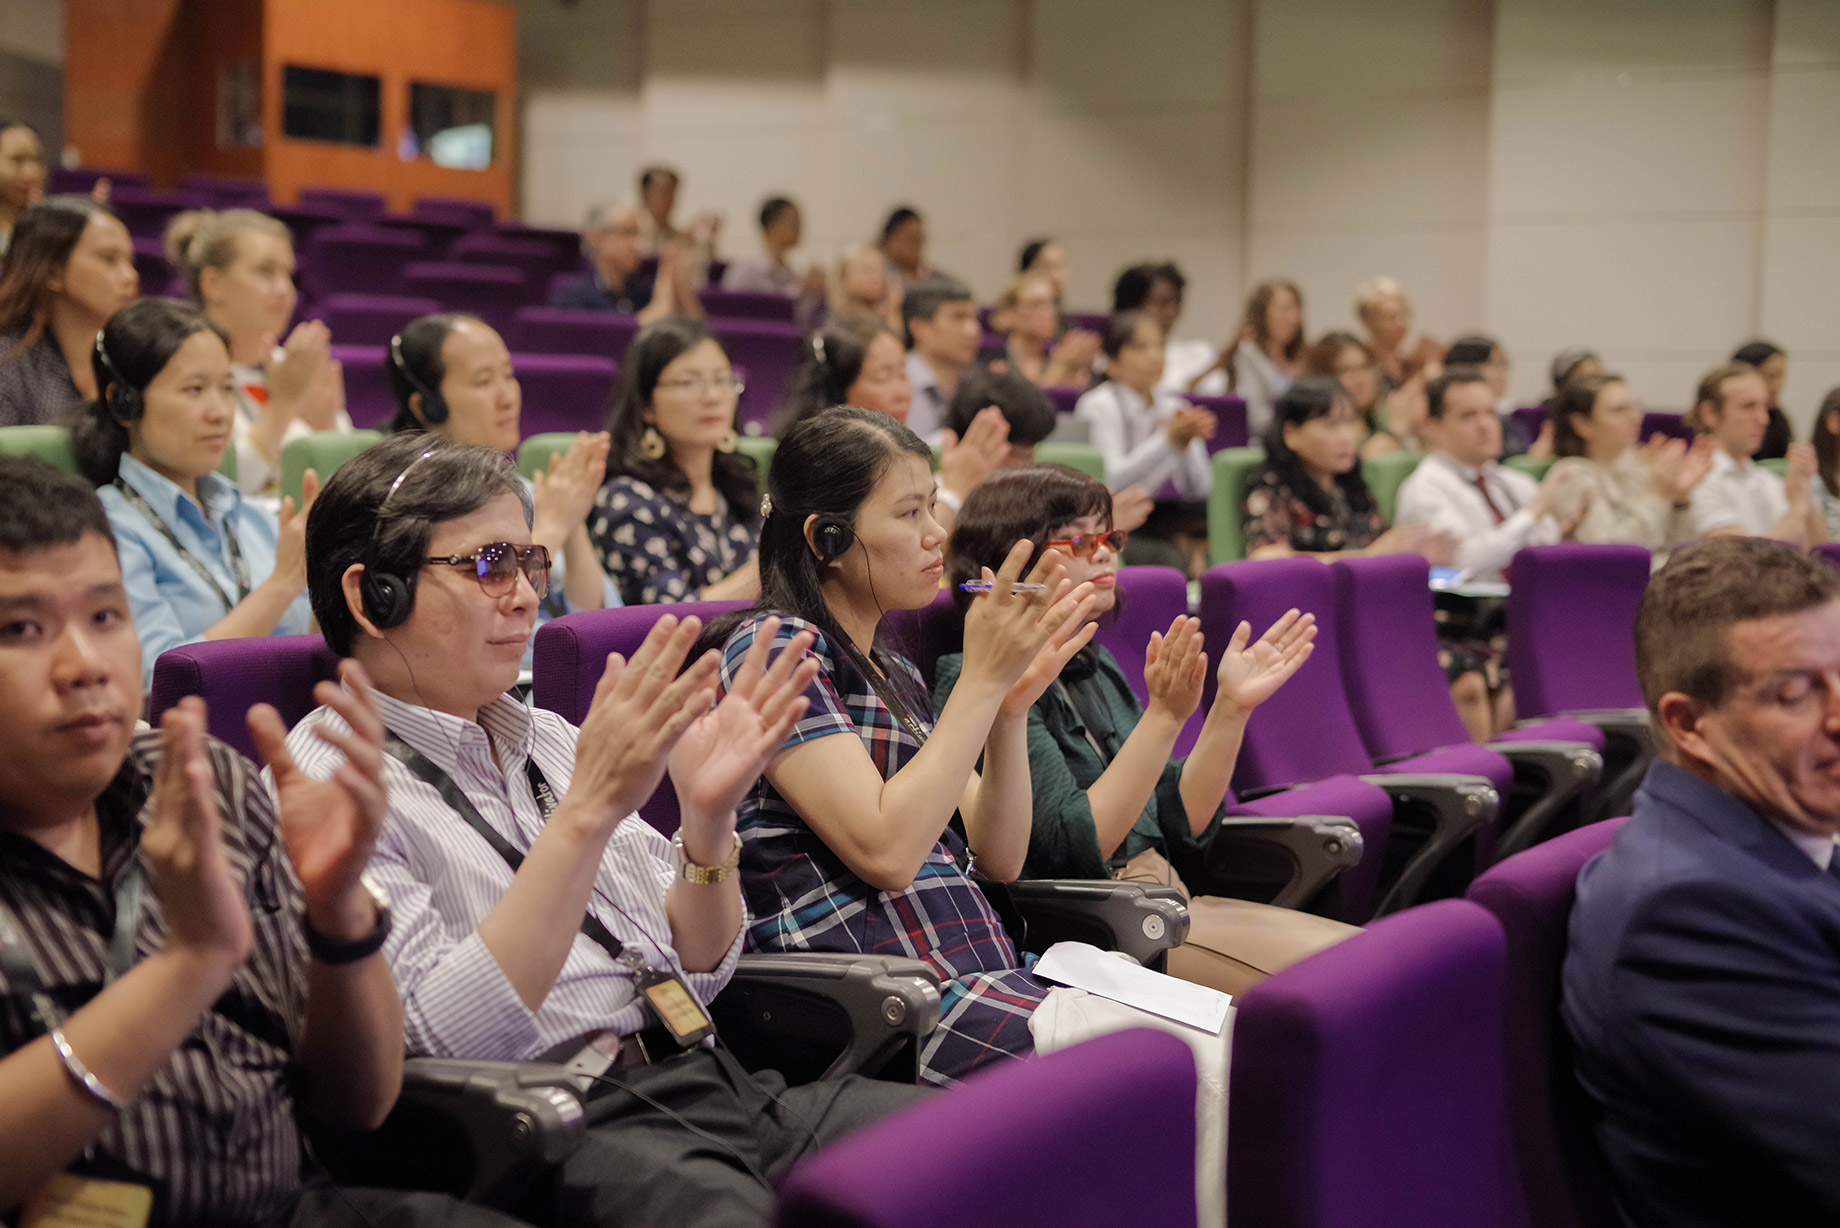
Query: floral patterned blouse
[(654, 548), (1275, 515)]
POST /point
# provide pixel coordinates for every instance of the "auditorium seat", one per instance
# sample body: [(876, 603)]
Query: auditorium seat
[(1386, 629), (1229, 411), (81, 180), (353, 205), (1081, 456), (1366, 1082), (368, 399), (453, 210), (370, 319), (1091, 321), (761, 448), (563, 392), (1669, 423), (1829, 551), (1149, 599), (1563, 1175), (228, 191), (565, 330), (491, 292), (1099, 1133), (304, 221), (323, 452), (1226, 517), (566, 244), (1530, 419), (720, 305), (156, 271), (146, 211), (1385, 475), (1063, 398), (439, 235), (770, 351), (49, 443), (533, 257), (360, 259)]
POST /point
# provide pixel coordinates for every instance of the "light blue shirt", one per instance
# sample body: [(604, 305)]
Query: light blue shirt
[(171, 602)]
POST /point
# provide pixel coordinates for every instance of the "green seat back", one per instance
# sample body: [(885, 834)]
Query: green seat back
[(1226, 524), (534, 453), (1533, 466), (1081, 456), (323, 452), (50, 444), (1778, 465), (1386, 474), (761, 448)]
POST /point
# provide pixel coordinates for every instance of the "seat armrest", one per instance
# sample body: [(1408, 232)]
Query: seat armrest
[(1142, 920), (1454, 805), (1306, 851), (518, 1117), (1629, 749), (1568, 766), (1548, 776), (887, 1002)]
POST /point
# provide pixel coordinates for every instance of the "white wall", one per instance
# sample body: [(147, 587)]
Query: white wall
[(1658, 179)]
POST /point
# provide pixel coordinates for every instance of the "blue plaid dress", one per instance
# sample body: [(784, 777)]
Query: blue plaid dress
[(803, 898)]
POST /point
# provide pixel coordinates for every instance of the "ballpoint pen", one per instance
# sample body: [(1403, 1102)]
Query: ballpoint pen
[(984, 586)]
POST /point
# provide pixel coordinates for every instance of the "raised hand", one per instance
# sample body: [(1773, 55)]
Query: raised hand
[(1175, 669), (184, 847), (1063, 630), (290, 377), (563, 493), (331, 826), (965, 463), (1251, 674), (1131, 507), (291, 542)]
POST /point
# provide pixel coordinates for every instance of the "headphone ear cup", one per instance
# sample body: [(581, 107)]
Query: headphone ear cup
[(434, 409), (124, 403), (388, 599), (833, 537)]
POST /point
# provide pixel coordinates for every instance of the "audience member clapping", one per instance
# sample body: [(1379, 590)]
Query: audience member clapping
[(849, 362), (1739, 496), (69, 268), (782, 228), (658, 230), (1386, 313), (1048, 258), (903, 248), (1264, 356), (1825, 439), (1773, 364), (862, 289), (1027, 313), (22, 174), (618, 280), (679, 515), (941, 320)]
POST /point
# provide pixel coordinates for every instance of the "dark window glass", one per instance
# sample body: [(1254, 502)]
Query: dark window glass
[(317, 105), (452, 126)]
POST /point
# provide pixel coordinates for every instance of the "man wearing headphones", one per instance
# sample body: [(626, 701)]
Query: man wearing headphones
[(535, 916)]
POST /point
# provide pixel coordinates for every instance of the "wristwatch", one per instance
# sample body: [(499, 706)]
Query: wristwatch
[(690, 872), (335, 951)]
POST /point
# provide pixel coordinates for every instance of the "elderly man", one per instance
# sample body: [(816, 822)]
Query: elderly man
[(1702, 984), (611, 240)]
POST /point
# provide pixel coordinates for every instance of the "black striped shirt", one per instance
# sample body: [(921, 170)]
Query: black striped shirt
[(216, 1124)]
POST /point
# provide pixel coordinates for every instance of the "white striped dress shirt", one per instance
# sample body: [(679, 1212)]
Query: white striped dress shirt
[(443, 878)]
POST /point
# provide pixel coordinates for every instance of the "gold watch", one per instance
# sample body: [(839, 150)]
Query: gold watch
[(690, 872)]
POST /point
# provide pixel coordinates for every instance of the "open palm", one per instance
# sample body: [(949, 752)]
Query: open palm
[(1250, 674), (723, 753)]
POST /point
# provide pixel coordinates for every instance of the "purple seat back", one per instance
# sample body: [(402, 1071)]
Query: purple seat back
[(370, 319), (1667, 422), (228, 191), (1571, 627), (1830, 551), (1230, 429), (770, 350), (1122, 1103), (1386, 633), (437, 234), (1150, 598), (1531, 418), (145, 211), (234, 676), (357, 206), (150, 262), (453, 211), (563, 392), (305, 221), (1091, 321), (720, 305), (1064, 398), (368, 398), (565, 243), (82, 179), (571, 655), (490, 291), (1563, 1175), (1305, 732), (1366, 1082), (361, 259), (562, 330), (535, 258), (924, 635)]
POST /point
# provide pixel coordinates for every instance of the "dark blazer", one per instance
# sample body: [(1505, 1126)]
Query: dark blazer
[(588, 292), (1702, 986)]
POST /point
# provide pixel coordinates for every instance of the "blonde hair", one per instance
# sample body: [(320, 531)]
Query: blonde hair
[(1375, 291), (1012, 293), (201, 239), (840, 296)]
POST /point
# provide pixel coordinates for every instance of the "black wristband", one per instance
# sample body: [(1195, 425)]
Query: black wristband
[(336, 951)]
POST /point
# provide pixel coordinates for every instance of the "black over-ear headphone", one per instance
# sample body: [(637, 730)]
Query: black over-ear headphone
[(434, 409), (833, 536), (388, 597), (120, 398)]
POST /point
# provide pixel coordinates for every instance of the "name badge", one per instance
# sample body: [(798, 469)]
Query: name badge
[(70, 1201)]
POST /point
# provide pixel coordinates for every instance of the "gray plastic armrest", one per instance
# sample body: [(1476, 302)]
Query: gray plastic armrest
[(1633, 741), (1570, 766), (887, 999), (1315, 848), (1142, 920), (518, 1116), (1559, 771), (1459, 805)]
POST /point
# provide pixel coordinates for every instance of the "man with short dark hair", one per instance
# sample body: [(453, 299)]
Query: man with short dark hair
[(1738, 495), (941, 320), (1025, 407), (183, 962), (1158, 288), (1702, 981)]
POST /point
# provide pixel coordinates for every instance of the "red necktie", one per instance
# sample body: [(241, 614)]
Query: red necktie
[(1488, 498)]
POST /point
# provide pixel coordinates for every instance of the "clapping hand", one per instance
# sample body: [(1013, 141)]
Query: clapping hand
[(1250, 674), (563, 493), (1175, 669), (965, 463), (184, 847)]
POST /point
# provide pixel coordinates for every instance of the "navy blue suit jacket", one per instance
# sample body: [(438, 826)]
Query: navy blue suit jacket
[(1702, 986), (587, 292)]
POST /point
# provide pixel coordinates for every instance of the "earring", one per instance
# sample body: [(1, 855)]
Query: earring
[(728, 442), (651, 444)]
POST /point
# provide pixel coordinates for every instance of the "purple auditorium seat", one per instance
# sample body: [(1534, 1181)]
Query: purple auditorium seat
[(1531, 418), (82, 180), (565, 243), (924, 635), (1064, 398), (1386, 629), (536, 258), (1091, 321), (229, 191), (720, 305), (234, 676), (352, 205), (1366, 1082), (1305, 733), (1571, 651), (146, 211), (1830, 551), (1119, 1104), (563, 392), (571, 654), (1149, 599), (438, 235), (564, 330), (305, 221), (370, 319), (770, 350), (156, 271), (453, 210), (360, 259), (1550, 1118), (368, 398), (1667, 422), (491, 292), (1229, 411)]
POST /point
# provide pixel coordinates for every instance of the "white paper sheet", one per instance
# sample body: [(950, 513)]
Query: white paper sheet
[(1085, 966)]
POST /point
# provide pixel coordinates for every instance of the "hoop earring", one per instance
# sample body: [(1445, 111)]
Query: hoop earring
[(728, 442), (651, 444)]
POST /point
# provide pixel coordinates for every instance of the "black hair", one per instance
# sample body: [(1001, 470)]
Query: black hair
[(1015, 505), (1030, 251), (44, 235), (1029, 412), (1120, 327), (925, 297), (1439, 388), (830, 363), (1132, 289), (657, 346), (1307, 399), (1827, 442), (1756, 353), (652, 172), (41, 506), (1471, 351), (422, 342), (827, 465), (1576, 398), (350, 523), (773, 208), (140, 339), (898, 217)]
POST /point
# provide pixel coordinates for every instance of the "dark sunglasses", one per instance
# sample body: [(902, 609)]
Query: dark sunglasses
[(1084, 545), (496, 564)]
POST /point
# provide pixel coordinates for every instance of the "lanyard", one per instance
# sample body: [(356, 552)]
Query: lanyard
[(28, 988), (237, 565)]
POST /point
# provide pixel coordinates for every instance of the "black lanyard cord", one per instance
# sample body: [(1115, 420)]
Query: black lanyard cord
[(238, 566)]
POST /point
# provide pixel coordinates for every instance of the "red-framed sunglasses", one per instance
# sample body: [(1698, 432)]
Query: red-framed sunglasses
[(1084, 545)]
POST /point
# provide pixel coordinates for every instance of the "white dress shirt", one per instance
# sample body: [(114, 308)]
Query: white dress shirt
[(443, 878), (1442, 495), (1128, 433), (1184, 358), (1738, 494)]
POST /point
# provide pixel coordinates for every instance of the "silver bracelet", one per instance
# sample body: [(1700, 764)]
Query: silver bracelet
[(81, 1075)]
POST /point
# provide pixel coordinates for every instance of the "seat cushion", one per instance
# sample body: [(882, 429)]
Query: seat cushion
[(1466, 760), (1555, 729)]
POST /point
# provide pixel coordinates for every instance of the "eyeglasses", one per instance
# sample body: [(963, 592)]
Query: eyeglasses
[(701, 384), (496, 564), (1084, 545)]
